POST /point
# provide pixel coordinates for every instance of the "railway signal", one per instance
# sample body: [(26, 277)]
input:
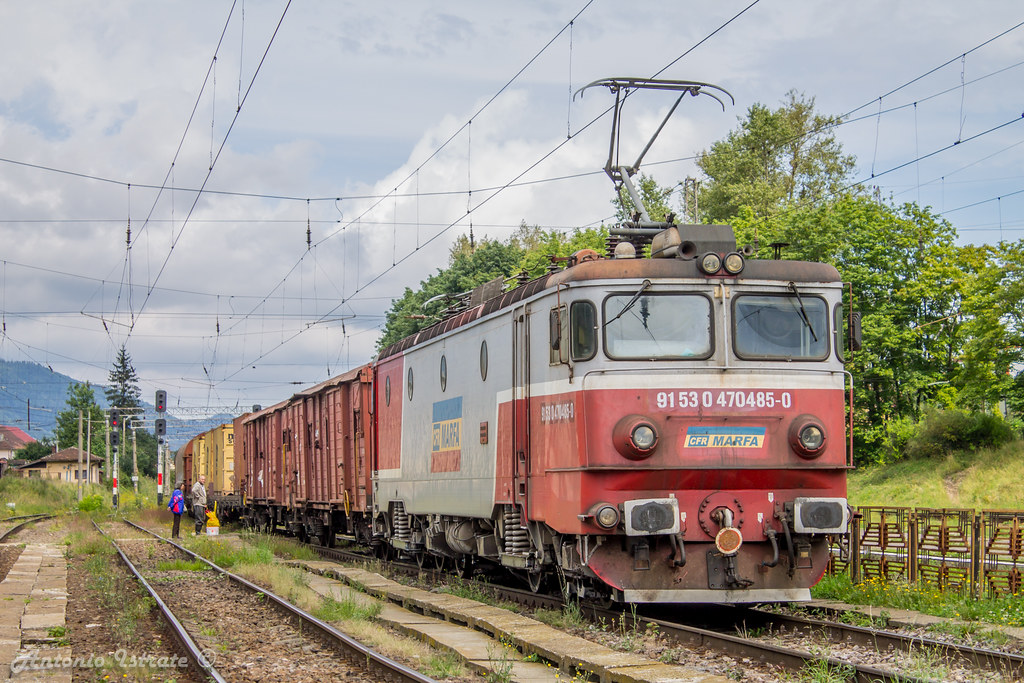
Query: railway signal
[(160, 429), (115, 440)]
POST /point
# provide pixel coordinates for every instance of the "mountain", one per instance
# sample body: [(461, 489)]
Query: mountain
[(31, 395)]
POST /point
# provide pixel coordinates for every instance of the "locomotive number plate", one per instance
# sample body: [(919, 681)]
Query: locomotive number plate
[(723, 398)]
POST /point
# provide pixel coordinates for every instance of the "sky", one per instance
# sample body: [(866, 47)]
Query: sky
[(282, 171)]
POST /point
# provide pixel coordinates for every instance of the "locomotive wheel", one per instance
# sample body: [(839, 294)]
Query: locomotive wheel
[(464, 566), (536, 581)]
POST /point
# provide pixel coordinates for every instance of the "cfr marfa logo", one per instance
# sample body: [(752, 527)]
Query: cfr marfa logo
[(725, 437), (447, 432)]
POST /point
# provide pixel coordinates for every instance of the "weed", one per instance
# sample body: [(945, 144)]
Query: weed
[(750, 633), (821, 671), (970, 632), (926, 663), (182, 565), (60, 634), (346, 609), (445, 665), (501, 666)]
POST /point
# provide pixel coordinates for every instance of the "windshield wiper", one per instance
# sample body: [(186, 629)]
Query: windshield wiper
[(803, 311), (630, 304)]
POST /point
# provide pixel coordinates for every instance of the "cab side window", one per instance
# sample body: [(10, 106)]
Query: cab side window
[(558, 338), (583, 324)]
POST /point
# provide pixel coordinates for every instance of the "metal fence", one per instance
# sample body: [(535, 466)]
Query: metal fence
[(963, 551)]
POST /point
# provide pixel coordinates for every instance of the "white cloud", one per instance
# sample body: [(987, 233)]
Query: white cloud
[(352, 99)]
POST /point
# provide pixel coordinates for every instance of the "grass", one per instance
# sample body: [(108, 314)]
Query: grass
[(972, 633), (347, 609), (471, 591), (182, 565), (821, 671), (226, 554), (985, 480), (1006, 611), (445, 665), (34, 496), (119, 593)]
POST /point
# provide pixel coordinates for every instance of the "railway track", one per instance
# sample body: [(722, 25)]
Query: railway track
[(239, 641), (22, 522), (722, 636)]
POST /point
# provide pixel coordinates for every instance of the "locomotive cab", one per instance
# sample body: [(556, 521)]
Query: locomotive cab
[(696, 436)]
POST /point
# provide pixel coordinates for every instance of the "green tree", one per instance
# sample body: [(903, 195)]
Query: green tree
[(993, 315), (94, 421), (35, 450), (467, 269), (655, 199), (908, 279), (776, 158), (528, 251), (123, 391)]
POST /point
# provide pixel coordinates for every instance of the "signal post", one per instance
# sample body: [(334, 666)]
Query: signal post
[(160, 430), (115, 441)]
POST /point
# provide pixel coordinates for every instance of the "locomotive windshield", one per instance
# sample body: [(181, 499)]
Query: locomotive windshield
[(657, 326), (781, 327)]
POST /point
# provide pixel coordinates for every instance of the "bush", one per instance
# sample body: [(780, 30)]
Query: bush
[(942, 432), (91, 503)]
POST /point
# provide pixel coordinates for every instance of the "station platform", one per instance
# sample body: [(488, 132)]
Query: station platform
[(33, 604), (493, 641)]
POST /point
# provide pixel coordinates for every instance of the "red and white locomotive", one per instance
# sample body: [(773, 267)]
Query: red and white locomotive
[(667, 429)]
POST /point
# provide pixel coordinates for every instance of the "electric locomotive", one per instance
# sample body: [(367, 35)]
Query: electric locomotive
[(651, 430), (663, 429), (666, 429)]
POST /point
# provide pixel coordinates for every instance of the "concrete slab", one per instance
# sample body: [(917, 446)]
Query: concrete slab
[(42, 621), (497, 621), (16, 587), (659, 673)]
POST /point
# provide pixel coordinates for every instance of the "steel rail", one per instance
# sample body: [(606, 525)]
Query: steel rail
[(356, 652), (18, 527), (197, 658), (983, 658)]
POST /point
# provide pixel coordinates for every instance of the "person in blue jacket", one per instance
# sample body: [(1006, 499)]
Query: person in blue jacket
[(177, 506)]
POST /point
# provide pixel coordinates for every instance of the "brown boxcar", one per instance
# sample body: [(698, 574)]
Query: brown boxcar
[(308, 460)]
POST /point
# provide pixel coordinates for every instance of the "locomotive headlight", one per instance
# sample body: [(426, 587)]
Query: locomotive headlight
[(811, 437), (807, 436), (643, 437), (635, 437), (710, 263), (733, 263), (607, 516)]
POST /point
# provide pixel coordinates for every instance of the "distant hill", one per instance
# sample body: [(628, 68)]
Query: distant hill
[(31, 395)]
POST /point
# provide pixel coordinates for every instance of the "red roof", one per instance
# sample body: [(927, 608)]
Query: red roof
[(66, 455), (12, 438)]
